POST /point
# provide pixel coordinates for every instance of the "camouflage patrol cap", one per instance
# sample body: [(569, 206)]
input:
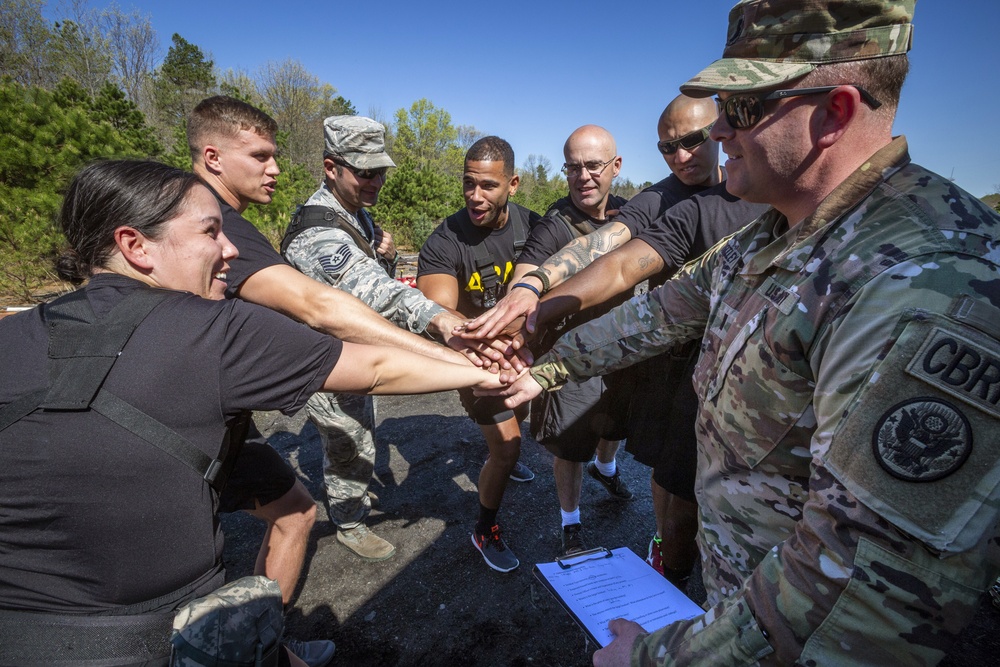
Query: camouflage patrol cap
[(358, 141), (774, 41), (237, 624)]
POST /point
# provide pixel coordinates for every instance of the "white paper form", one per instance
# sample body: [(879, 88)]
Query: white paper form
[(597, 589)]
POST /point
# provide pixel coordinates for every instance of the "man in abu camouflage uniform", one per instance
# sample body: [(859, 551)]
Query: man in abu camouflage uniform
[(850, 369), (334, 240)]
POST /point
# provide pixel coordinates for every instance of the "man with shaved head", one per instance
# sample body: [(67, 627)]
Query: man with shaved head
[(693, 159), (589, 416)]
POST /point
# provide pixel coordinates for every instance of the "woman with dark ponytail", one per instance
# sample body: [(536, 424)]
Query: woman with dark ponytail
[(109, 194), (114, 405)]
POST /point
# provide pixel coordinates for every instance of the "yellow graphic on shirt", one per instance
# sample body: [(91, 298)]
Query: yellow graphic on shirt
[(476, 281)]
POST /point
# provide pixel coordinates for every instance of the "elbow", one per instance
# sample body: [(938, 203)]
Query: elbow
[(323, 310)]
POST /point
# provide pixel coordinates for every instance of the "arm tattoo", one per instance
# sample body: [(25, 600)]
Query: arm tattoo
[(580, 252)]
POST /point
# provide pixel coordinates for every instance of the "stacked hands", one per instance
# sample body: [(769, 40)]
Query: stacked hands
[(498, 340)]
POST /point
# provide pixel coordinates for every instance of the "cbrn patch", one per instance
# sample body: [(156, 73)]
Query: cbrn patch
[(961, 362), (923, 457), (922, 440)]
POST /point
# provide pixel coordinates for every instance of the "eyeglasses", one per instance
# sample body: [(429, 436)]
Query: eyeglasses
[(595, 168), (364, 174), (746, 110), (688, 142)]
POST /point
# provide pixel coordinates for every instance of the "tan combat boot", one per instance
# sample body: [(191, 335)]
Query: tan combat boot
[(365, 543)]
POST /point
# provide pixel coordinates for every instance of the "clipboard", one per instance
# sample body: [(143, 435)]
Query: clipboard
[(565, 563), (598, 585)]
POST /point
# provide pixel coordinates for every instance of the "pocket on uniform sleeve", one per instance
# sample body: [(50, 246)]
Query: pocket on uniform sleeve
[(878, 607)]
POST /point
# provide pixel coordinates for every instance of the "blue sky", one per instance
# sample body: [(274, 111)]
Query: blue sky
[(532, 72)]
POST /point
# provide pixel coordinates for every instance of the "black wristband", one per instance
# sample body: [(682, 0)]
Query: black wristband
[(542, 278), (529, 287)]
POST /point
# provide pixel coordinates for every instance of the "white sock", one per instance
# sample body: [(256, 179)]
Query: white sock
[(606, 469), (569, 518)]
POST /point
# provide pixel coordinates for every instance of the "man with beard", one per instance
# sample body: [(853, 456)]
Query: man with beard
[(660, 433), (464, 266)]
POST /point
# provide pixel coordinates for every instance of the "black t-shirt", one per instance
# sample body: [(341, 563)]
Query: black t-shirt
[(650, 204), (450, 249), (92, 517), (551, 234), (256, 252), (694, 225), (547, 238)]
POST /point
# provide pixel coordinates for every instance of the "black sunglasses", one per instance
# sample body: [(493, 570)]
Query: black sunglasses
[(746, 110), (688, 142), (364, 174)]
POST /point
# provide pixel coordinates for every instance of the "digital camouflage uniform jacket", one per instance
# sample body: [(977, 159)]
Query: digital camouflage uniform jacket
[(331, 256), (849, 455)]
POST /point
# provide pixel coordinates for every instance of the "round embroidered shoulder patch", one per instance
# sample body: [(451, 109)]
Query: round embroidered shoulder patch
[(922, 440)]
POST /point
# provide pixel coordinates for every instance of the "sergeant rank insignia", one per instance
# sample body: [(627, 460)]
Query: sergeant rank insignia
[(922, 440)]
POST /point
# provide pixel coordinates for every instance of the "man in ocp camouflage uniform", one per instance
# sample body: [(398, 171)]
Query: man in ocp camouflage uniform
[(850, 371), (333, 239)]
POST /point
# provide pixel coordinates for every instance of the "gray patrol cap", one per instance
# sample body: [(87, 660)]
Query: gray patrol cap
[(358, 141), (771, 42)]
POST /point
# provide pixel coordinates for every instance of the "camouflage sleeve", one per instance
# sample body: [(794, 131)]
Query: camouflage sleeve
[(897, 539), (330, 256), (727, 634), (638, 329)]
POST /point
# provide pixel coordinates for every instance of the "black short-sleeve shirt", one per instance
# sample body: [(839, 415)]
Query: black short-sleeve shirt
[(450, 250), (650, 204), (548, 237), (91, 516), (551, 234), (694, 225), (256, 252)]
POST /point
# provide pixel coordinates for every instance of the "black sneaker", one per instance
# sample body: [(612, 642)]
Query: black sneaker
[(521, 473), (495, 551), (572, 540), (317, 653), (613, 484)]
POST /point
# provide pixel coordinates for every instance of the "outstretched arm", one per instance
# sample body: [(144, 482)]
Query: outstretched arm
[(573, 257), (481, 353), (377, 369), (580, 252), (443, 289), (332, 311), (607, 276)]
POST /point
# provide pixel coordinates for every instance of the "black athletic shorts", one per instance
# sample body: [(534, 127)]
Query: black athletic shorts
[(484, 410), (662, 417), (570, 422), (259, 476)]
